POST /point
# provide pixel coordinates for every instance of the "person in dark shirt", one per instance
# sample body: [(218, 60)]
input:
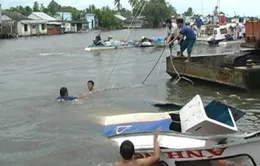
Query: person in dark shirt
[(198, 23), (188, 42), (97, 41), (64, 95)]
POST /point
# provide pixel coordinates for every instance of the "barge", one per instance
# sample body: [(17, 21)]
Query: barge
[(240, 70)]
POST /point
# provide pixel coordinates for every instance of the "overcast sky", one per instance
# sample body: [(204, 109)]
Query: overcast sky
[(230, 7)]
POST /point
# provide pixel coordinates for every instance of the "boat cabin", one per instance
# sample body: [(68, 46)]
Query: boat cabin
[(219, 33)]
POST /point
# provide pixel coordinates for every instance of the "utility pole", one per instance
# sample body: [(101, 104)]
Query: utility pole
[(1, 30), (218, 4), (202, 7)]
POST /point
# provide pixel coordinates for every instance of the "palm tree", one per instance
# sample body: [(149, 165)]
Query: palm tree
[(117, 4), (134, 3)]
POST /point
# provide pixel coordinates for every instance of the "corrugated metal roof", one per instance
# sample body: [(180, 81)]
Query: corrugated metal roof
[(120, 17), (34, 21), (44, 16), (15, 16)]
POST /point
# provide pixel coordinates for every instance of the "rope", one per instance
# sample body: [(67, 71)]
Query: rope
[(154, 66), (174, 68), (178, 75), (135, 18), (127, 40)]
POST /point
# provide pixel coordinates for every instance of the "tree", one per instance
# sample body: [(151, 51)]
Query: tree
[(27, 11), (172, 9), (53, 7), (155, 11), (189, 12), (134, 3), (106, 18), (125, 13), (118, 5), (36, 7)]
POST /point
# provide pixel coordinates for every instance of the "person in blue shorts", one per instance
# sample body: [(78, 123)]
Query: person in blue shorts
[(188, 42), (64, 95)]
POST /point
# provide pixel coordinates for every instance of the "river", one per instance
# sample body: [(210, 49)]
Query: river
[(36, 130)]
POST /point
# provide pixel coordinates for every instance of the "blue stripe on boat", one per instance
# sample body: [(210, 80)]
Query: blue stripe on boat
[(137, 127)]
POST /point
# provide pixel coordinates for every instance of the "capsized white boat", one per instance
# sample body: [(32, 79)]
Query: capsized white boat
[(201, 136)]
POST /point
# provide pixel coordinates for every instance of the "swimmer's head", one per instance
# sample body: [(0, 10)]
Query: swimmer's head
[(90, 85), (127, 150), (63, 91)]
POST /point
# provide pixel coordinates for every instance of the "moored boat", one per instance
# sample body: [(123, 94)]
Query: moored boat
[(111, 46), (201, 136), (158, 42), (219, 36), (102, 48), (239, 70)]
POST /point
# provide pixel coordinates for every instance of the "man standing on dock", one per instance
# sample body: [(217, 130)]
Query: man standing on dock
[(189, 41), (172, 31)]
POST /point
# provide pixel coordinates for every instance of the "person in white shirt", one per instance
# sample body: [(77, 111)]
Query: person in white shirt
[(172, 31), (215, 13)]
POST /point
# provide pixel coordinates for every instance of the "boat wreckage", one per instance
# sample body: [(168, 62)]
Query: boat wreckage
[(198, 135)]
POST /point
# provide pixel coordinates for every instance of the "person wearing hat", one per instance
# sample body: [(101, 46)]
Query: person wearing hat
[(109, 38)]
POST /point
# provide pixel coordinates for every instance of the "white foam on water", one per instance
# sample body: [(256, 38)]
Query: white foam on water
[(51, 53), (251, 99), (234, 96)]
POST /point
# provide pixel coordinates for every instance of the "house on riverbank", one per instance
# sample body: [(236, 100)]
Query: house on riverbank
[(92, 20), (15, 24), (53, 25), (68, 25)]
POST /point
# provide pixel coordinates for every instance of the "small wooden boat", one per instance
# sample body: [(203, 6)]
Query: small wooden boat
[(102, 48), (239, 70), (198, 136)]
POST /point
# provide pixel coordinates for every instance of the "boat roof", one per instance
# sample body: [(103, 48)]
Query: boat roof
[(149, 122), (136, 123)]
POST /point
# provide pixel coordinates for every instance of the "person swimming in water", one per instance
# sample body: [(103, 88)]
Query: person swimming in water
[(91, 87), (64, 95), (127, 151)]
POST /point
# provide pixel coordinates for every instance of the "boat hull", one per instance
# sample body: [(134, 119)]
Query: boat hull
[(102, 48), (240, 77), (184, 149), (246, 151)]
